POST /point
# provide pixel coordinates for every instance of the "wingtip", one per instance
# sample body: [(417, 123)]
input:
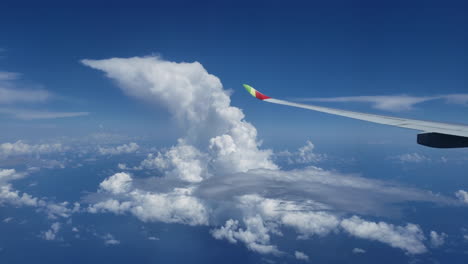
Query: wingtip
[(255, 93)]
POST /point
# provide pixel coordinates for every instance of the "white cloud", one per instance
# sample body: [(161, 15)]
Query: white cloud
[(304, 155), (15, 95), (109, 240), (51, 234), (462, 195), (358, 251), (217, 175), (177, 206), (26, 114), (409, 238), (14, 98), (393, 102), (255, 236), (21, 148), (411, 158), (8, 195), (7, 220), (181, 161), (11, 196), (197, 100), (301, 255), (117, 183), (457, 98), (123, 149), (8, 76), (436, 239)]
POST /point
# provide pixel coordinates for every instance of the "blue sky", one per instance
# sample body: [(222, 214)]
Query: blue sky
[(144, 130)]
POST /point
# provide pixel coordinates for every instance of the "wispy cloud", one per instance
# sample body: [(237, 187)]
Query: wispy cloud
[(410, 158), (14, 95), (17, 99), (392, 102), (8, 76), (39, 114)]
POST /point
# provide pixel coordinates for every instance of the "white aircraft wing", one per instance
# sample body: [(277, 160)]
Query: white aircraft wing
[(435, 134)]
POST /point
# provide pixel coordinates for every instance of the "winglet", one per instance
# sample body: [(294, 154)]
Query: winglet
[(255, 93)]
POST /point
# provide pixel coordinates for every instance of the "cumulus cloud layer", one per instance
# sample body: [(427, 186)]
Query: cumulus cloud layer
[(122, 149), (177, 206), (21, 148), (10, 196), (217, 174)]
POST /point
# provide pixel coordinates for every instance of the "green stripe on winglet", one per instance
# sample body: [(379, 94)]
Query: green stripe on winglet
[(250, 89)]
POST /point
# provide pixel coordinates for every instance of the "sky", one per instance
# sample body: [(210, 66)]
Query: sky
[(127, 134)]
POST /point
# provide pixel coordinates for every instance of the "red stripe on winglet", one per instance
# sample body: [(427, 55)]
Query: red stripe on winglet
[(261, 96)]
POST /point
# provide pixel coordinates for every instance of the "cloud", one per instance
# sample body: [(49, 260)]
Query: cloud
[(457, 98), (177, 206), (304, 155), (15, 95), (325, 189), (392, 102), (182, 161), (51, 234), (256, 236), (8, 195), (358, 251), (39, 114), (411, 158), (21, 148), (123, 149), (8, 76), (217, 175), (409, 238), (198, 102), (301, 255), (117, 183), (462, 196), (436, 239), (109, 240)]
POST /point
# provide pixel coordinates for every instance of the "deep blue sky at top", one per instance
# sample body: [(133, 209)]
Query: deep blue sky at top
[(284, 48)]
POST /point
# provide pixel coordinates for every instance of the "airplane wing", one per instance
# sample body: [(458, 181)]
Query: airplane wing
[(435, 134)]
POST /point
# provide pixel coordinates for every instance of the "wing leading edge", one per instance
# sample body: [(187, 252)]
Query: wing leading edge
[(435, 134)]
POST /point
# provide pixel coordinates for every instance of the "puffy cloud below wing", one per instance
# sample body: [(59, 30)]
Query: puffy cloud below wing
[(182, 161), (409, 238), (255, 236), (197, 100), (331, 190), (176, 206)]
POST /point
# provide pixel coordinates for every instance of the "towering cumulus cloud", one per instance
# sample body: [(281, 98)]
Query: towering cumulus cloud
[(199, 103)]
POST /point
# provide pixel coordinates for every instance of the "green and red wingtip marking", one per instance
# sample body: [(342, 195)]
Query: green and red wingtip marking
[(255, 93)]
